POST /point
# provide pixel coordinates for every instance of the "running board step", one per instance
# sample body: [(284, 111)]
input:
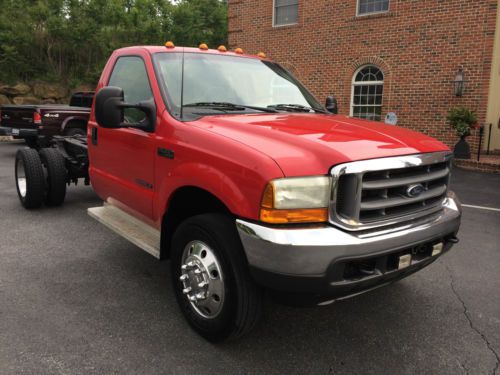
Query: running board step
[(127, 226)]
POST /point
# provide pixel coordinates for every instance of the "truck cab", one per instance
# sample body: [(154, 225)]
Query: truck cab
[(227, 165)]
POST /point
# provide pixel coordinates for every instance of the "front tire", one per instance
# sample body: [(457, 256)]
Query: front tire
[(30, 180), (211, 279)]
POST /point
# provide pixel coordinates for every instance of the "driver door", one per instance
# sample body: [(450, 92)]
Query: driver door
[(124, 158)]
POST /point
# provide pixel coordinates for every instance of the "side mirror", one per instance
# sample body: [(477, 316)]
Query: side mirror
[(108, 112), (331, 105), (110, 105)]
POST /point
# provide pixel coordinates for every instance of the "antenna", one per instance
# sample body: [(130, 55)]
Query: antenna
[(182, 85)]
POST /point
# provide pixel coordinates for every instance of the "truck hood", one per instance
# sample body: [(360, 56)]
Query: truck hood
[(305, 144)]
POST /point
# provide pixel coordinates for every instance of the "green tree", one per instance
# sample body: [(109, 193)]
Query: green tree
[(71, 40)]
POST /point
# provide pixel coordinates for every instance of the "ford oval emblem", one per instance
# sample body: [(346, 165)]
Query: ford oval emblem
[(415, 190)]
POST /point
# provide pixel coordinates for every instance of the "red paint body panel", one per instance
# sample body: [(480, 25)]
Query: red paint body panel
[(305, 144), (230, 156)]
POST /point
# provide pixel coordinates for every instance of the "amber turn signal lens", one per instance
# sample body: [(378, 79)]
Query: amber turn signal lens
[(268, 196), (313, 215), (169, 44)]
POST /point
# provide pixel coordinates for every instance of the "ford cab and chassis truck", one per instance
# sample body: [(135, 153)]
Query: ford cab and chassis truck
[(227, 165), (37, 123)]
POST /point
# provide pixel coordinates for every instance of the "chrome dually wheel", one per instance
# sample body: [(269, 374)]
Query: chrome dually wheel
[(202, 279), (21, 178), (211, 279)]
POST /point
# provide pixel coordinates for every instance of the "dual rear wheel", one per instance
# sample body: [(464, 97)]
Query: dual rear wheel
[(40, 177)]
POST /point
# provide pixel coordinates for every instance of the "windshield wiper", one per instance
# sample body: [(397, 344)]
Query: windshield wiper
[(296, 108), (225, 106)]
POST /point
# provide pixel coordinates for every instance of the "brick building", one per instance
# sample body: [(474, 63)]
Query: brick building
[(381, 56)]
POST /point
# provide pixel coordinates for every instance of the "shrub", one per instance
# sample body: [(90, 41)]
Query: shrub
[(462, 120)]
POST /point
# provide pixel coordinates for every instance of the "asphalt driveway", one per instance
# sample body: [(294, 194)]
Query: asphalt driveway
[(77, 299)]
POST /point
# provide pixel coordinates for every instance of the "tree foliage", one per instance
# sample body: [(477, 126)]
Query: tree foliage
[(70, 40)]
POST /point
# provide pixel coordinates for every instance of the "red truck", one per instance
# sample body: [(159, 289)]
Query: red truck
[(228, 166)]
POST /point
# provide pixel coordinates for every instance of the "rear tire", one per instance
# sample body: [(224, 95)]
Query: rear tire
[(75, 131), (30, 180), (56, 176), (233, 305)]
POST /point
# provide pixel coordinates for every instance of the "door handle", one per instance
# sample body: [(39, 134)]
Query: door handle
[(94, 136)]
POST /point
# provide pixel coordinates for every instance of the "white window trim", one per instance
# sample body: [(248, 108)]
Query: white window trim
[(283, 24), (368, 14), (364, 83)]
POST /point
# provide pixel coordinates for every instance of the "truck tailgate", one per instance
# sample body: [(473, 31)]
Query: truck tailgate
[(18, 117)]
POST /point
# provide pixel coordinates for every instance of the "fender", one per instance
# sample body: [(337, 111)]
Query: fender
[(243, 200), (73, 118)]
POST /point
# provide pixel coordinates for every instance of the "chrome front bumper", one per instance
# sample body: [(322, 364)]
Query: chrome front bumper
[(310, 252)]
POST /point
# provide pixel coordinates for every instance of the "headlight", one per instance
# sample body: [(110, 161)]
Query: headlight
[(296, 200)]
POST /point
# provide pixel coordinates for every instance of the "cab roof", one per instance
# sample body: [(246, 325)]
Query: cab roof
[(160, 49)]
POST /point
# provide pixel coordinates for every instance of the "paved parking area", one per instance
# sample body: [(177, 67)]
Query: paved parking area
[(77, 299)]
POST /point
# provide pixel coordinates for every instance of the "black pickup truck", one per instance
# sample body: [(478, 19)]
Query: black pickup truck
[(36, 123)]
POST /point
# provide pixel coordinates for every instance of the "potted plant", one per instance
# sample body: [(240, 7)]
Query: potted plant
[(462, 120)]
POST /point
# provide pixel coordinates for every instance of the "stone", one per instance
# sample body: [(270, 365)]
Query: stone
[(49, 90), (21, 100), (4, 99), (16, 90), (48, 101), (83, 88)]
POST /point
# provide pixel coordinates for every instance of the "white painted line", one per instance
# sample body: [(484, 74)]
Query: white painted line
[(481, 207)]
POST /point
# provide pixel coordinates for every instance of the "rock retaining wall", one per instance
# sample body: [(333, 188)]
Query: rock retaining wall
[(38, 93)]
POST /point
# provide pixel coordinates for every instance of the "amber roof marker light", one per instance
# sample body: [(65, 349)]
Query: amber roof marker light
[(222, 49), (203, 46), (262, 55), (238, 51), (169, 44)]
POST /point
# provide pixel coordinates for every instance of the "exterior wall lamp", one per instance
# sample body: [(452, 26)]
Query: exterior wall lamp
[(459, 82)]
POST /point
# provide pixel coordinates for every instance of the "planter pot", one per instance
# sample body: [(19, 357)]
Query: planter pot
[(462, 149)]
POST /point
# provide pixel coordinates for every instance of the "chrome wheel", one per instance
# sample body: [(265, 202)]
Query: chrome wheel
[(21, 178), (202, 279)]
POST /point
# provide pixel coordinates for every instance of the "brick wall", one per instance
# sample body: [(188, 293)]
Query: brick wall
[(419, 44)]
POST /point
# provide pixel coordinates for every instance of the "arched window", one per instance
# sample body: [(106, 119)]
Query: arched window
[(367, 90)]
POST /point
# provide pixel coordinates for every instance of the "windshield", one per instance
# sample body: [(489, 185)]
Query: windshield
[(215, 81)]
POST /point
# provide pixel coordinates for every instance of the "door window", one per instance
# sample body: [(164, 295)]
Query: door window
[(130, 74)]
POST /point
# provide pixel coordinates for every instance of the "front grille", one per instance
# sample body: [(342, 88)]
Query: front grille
[(385, 191)]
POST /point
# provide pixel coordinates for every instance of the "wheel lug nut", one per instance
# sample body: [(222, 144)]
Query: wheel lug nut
[(193, 298), (184, 267), (200, 296), (186, 290), (191, 264), (202, 284), (184, 277), (197, 271)]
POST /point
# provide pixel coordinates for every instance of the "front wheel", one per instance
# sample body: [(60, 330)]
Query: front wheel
[(211, 279)]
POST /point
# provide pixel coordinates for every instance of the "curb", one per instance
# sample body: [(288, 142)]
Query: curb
[(473, 165)]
